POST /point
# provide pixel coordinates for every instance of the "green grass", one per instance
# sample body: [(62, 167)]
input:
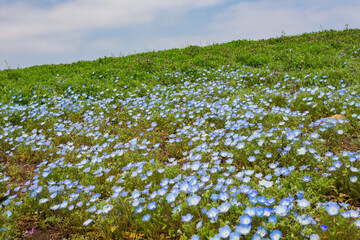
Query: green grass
[(71, 131)]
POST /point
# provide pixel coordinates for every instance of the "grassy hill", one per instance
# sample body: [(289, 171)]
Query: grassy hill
[(247, 139)]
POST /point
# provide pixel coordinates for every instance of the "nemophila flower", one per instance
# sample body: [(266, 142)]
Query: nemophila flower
[(199, 224), (304, 219), (259, 212), (235, 236), (224, 207), (146, 217), (275, 234), (216, 237), (281, 210), (307, 179), (272, 219), (323, 227), (303, 203), (245, 219), (92, 209), (214, 197), (224, 196), (193, 200), (251, 158), (224, 232), (314, 236), (107, 208), (357, 223), (243, 229), (333, 209), (250, 211), (152, 206), (186, 218), (195, 237), (261, 231), (353, 179), (171, 197), (212, 213), (87, 222), (301, 151)]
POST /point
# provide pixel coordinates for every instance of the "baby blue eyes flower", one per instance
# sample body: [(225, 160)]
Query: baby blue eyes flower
[(307, 179), (275, 234), (224, 196), (107, 208), (303, 203), (323, 228), (261, 231), (171, 197), (357, 223), (92, 209), (195, 237), (235, 236), (281, 210), (87, 222), (43, 200), (243, 229), (8, 213), (186, 218), (193, 200), (146, 217), (224, 207), (152, 205), (314, 237), (353, 179), (225, 231), (212, 213), (301, 151), (333, 209), (245, 219)]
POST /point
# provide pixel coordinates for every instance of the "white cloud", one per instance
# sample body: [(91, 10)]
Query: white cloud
[(265, 18), (28, 28)]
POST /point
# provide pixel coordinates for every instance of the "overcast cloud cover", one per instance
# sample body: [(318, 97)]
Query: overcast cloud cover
[(34, 32)]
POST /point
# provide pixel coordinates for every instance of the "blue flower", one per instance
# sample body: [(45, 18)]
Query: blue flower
[(171, 197), (235, 236), (212, 213), (146, 217), (303, 203), (193, 200), (152, 206), (87, 222), (272, 219), (281, 210), (195, 237), (243, 229), (275, 234), (261, 231), (224, 207), (357, 223), (186, 218), (307, 179), (314, 237), (224, 196), (214, 197), (333, 209), (323, 228), (245, 219), (225, 231)]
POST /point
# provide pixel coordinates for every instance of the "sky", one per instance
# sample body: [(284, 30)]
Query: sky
[(36, 32)]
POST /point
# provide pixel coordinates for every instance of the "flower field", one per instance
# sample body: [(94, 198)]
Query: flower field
[(242, 140)]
